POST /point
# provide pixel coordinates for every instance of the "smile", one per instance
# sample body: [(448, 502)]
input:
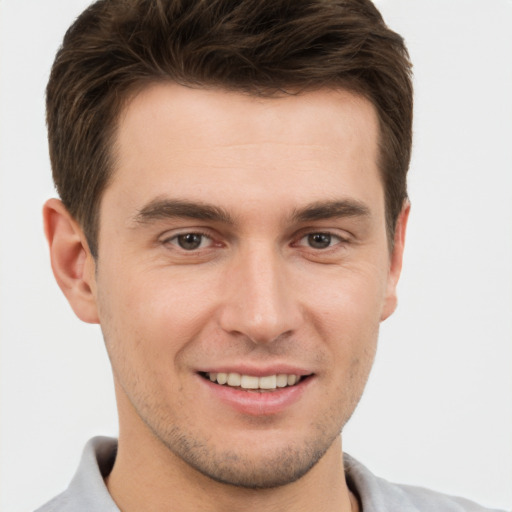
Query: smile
[(251, 382)]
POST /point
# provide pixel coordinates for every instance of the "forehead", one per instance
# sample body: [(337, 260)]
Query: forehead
[(191, 142), (216, 117)]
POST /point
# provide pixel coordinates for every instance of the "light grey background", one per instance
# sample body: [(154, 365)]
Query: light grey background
[(438, 408)]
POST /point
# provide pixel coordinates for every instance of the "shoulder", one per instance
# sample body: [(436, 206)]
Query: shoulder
[(87, 491), (379, 495), (60, 503), (426, 500)]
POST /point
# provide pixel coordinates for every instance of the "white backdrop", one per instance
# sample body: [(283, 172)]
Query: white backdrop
[(438, 408)]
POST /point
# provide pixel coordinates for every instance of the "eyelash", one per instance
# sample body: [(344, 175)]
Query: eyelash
[(337, 239), (173, 240)]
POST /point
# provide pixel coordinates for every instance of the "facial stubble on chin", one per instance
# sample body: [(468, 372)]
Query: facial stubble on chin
[(283, 467), (261, 471)]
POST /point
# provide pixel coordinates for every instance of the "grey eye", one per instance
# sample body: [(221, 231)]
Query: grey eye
[(190, 241), (319, 240)]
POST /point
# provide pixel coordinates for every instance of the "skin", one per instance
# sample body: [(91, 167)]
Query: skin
[(260, 181)]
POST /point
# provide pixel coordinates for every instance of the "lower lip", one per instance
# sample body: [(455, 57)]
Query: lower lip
[(257, 403)]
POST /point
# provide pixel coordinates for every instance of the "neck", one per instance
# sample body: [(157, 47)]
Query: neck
[(147, 476)]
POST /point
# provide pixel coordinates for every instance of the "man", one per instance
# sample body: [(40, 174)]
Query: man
[(233, 185)]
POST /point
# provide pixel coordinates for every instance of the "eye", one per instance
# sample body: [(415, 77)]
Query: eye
[(320, 240), (190, 241)]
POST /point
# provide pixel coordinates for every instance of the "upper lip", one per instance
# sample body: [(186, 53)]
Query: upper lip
[(257, 371)]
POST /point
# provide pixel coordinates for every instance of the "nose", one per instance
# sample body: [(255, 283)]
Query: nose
[(260, 301)]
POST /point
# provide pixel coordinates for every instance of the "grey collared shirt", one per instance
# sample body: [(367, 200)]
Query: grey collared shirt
[(87, 491)]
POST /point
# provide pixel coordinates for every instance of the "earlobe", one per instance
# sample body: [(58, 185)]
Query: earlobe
[(72, 263), (396, 259)]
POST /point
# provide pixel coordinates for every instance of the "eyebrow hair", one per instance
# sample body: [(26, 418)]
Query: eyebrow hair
[(177, 208), (331, 209)]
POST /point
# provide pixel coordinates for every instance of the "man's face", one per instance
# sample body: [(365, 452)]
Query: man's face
[(243, 239)]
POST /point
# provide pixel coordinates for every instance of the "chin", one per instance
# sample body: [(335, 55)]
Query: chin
[(259, 466), (257, 472)]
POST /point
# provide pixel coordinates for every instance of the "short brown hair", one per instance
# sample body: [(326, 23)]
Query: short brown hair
[(260, 47)]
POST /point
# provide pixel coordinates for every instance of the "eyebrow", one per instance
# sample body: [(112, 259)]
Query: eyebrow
[(159, 209), (331, 209)]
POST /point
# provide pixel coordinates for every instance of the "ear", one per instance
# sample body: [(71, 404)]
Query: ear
[(395, 266), (72, 263)]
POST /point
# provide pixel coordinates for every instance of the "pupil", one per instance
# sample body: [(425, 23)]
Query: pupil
[(319, 240), (190, 241)]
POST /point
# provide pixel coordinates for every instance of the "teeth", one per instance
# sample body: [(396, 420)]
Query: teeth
[(269, 382), (234, 379), (292, 379), (249, 382), (252, 382), (282, 380)]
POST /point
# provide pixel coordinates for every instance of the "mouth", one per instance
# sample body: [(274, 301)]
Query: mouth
[(266, 383)]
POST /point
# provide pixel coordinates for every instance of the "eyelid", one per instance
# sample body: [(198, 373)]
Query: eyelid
[(169, 234), (334, 239), (171, 238), (343, 238)]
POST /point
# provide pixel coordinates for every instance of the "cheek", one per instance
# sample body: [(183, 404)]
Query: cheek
[(148, 297), (350, 304), (348, 319), (150, 317)]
